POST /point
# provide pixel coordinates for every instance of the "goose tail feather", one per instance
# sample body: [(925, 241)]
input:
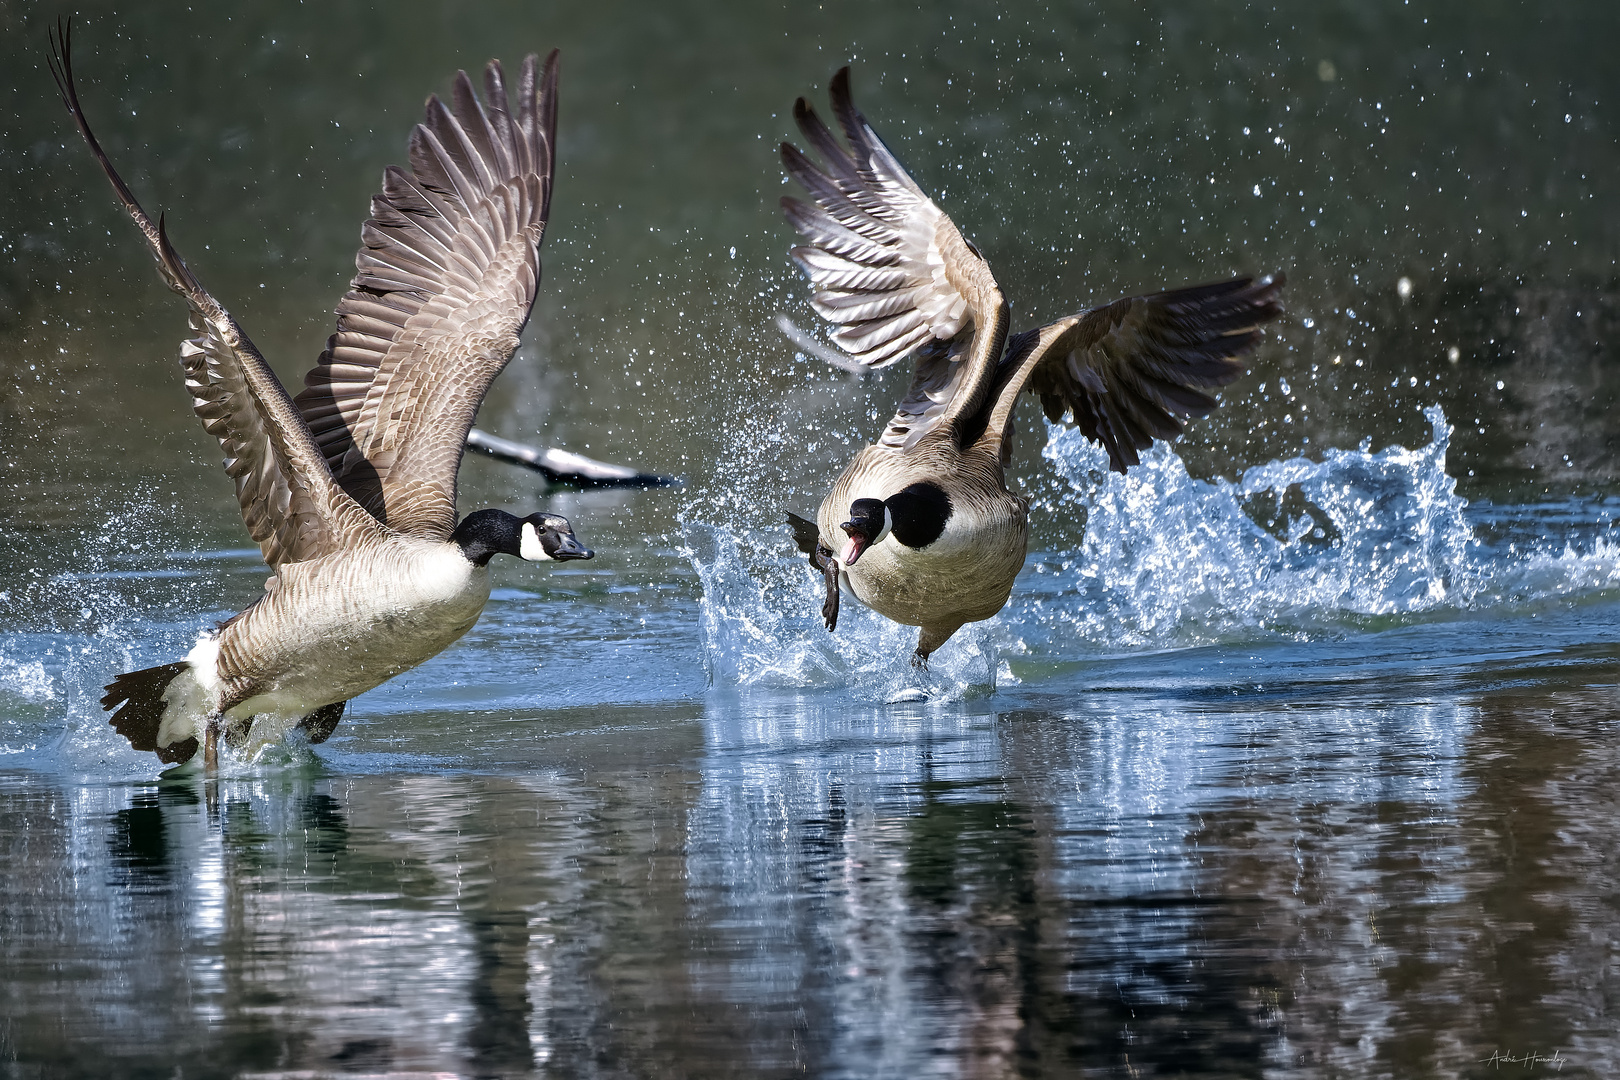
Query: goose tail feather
[(136, 700)]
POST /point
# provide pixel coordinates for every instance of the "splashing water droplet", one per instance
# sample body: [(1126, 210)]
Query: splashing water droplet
[(1296, 548)]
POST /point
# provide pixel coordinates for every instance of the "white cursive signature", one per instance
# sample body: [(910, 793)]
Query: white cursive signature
[(1500, 1058)]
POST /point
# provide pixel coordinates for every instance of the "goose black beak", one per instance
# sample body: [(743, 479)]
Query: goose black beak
[(868, 523), (569, 548)]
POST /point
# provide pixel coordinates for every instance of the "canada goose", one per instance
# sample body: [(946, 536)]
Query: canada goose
[(921, 526), (350, 488)]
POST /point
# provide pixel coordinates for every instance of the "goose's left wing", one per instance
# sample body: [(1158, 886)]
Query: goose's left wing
[(1130, 371), (447, 275), (289, 502)]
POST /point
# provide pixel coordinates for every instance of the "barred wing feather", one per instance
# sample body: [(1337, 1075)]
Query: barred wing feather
[(447, 275), (876, 248), (289, 502), (890, 271)]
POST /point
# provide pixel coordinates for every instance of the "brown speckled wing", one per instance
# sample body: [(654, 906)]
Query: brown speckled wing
[(447, 274), (289, 502), (890, 270), (1131, 371)]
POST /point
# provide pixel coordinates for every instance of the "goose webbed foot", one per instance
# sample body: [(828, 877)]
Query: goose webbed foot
[(320, 724), (929, 640), (829, 571), (808, 538)]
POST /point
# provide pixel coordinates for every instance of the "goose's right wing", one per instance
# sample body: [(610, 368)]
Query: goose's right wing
[(288, 500), (890, 270), (1130, 371)]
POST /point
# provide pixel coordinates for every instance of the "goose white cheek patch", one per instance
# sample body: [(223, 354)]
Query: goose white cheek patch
[(530, 547)]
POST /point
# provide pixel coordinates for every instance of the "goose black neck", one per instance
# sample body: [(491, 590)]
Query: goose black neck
[(484, 534), (919, 513)]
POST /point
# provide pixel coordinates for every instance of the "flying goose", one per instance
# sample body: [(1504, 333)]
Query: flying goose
[(350, 488), (921, 526)]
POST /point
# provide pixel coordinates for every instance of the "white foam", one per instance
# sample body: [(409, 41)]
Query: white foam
[(1169, 560), (27, 679)]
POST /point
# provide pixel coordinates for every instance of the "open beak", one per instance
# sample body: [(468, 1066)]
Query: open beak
[(857, 544)]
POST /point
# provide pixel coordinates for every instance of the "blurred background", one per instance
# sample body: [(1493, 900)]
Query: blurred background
[(1435, 179)]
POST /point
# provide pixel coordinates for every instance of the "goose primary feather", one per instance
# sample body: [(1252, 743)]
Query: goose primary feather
[(350, 488), (921, 526)]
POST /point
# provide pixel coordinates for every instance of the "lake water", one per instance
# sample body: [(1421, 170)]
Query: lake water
[(1295, 753)]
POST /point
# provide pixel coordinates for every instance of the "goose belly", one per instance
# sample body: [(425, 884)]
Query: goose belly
[(323, 636), (964, 575), (922, 588), (961, 578)]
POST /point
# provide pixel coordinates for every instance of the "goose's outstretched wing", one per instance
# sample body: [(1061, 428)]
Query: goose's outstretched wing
[(1130, 371), (446, 276), (890, 270), (289, 502)]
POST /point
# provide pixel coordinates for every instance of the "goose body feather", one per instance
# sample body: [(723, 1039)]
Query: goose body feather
[(963, 576), (336, 627), (326, 631)]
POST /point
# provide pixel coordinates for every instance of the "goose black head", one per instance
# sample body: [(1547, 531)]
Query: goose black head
[(868, 524), (537, 538), (915, 515)]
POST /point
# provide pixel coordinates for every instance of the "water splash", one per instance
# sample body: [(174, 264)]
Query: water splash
[(1297, 548), (1356, 540), (27, 680), (113, 607), (761, 625)]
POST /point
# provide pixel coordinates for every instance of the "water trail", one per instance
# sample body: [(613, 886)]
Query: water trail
[(1298, 548)]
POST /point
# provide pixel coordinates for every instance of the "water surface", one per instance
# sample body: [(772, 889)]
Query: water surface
[(1293, 755)]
